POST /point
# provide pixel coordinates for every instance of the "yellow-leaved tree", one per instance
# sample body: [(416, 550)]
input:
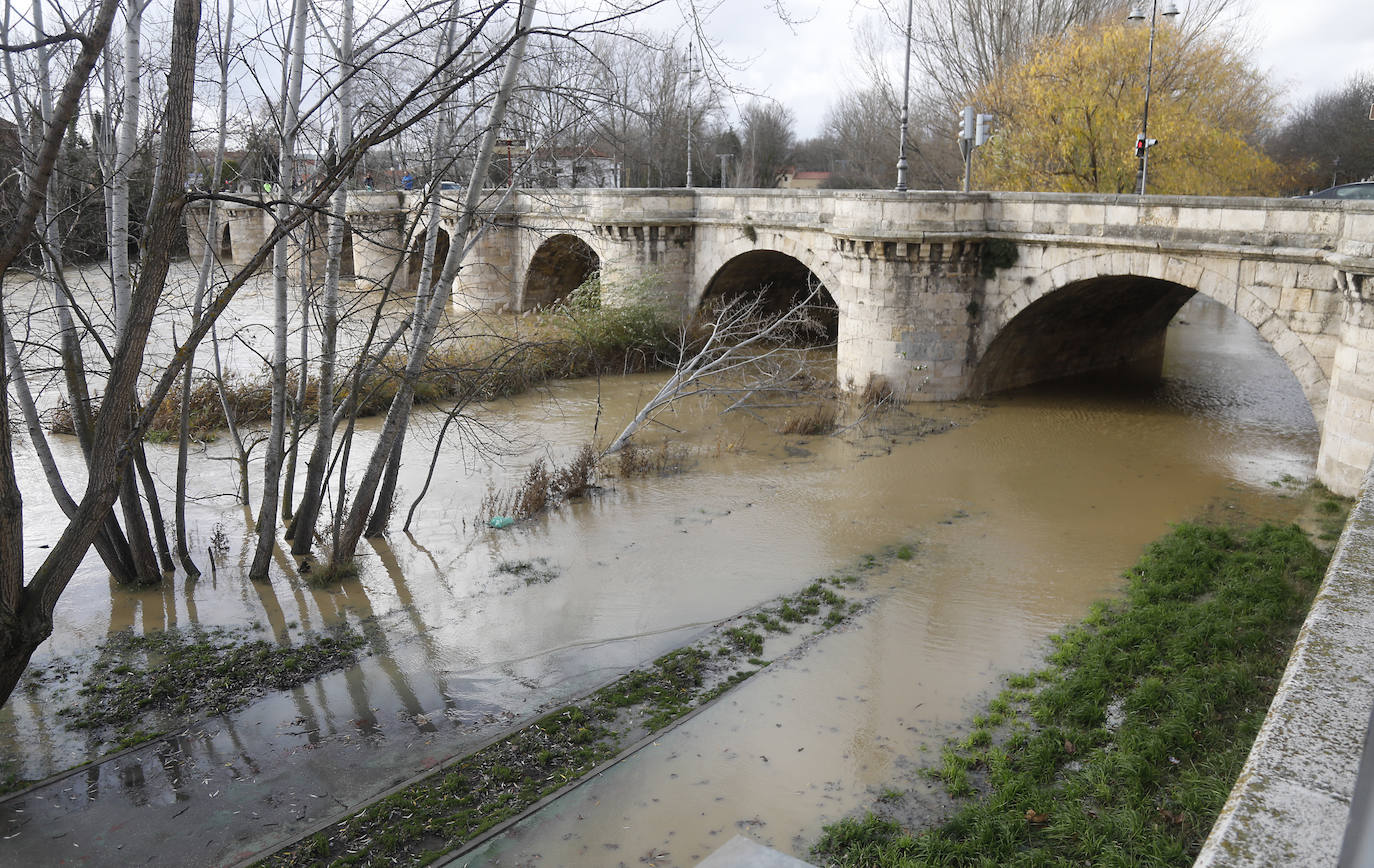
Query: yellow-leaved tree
[(1067, 118)]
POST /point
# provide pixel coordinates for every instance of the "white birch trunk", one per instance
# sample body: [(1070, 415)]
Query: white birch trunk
[(272, 464), (303, 527), (399, 412), (118, 185)]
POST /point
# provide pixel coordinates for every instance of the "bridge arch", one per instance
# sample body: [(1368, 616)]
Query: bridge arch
[(725, 253), (1081, 292), (783, 270), (561, 264)]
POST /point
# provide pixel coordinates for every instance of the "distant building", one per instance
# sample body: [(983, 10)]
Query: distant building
[(792, 179), (572, 167)]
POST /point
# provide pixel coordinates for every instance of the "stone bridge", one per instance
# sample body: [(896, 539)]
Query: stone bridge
[(942, 295)]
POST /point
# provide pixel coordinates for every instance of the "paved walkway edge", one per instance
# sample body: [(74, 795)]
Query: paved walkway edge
[(1291, 803)]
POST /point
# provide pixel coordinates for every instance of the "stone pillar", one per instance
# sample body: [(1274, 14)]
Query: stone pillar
[(1348, 432), (487, 279), (247, 232), (197, 219), (378, 238), (646, 263), (906, 316)]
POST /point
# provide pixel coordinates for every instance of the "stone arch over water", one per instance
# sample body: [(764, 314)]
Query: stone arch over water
[(1092, 312), (561, 264), (780, 279)]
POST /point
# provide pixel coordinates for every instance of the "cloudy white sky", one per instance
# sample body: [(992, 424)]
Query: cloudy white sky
[(1308, 46)]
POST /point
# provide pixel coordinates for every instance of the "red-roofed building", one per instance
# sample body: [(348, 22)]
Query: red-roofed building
[(795, 180)]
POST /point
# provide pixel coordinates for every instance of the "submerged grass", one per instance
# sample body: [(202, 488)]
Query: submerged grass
[(193, 672), (1124, 749), (819, 419), (441, 812)]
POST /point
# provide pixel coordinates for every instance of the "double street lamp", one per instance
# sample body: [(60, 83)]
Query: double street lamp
[(1143, 142)]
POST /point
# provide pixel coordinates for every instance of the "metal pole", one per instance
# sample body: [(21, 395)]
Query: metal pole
[(966, 145), (689, 114), (906, 102), (1145, 120)]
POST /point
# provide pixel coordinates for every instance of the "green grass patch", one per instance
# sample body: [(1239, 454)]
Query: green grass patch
[(745, 640), (194, 672), (1139, 727), (1331, 512)]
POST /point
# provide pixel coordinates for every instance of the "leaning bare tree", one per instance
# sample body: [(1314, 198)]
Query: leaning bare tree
[(743, 352)]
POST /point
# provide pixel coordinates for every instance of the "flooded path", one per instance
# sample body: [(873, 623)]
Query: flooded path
[(1020, 515), (1021, 519)]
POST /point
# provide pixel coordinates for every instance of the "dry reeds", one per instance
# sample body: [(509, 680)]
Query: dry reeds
[(542, 488), (876, 392), (576, 478), (510, 358), (636, 460), (820, 419)]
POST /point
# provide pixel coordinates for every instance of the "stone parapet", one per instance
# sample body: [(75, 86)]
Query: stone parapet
[(934, 289)]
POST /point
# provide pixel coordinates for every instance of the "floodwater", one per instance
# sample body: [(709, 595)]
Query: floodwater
[(1021, 514)]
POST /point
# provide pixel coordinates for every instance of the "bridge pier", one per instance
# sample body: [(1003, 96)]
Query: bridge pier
[(1348, 433), (907, 316), (646, 263)]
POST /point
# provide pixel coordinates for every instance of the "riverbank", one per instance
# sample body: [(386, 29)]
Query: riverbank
[(1020, 514), (1128, 743), (477, 357), (450, 809)]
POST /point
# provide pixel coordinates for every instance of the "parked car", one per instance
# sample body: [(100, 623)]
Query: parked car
[(1358, 190)]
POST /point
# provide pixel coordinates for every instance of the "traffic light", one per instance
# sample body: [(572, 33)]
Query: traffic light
[(1139, 147), (982, 131), (966, 123)]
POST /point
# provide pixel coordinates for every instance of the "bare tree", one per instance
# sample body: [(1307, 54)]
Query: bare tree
[(302, 529), (745, 352), (769, 138), (26, 607), (397, 417), (293, 68), (1327, 141)]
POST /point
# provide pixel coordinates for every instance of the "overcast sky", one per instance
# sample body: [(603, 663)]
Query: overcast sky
[(1308, 46)]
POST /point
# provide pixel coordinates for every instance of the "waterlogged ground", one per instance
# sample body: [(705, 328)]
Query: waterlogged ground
[(1019, 513), (1021, 516)]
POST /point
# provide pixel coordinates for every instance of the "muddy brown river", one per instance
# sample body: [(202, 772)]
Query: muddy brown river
[(1024, 511)]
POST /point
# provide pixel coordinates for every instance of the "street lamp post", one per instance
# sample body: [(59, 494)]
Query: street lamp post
[(689, 114), (1137, 13), (906, 102)]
